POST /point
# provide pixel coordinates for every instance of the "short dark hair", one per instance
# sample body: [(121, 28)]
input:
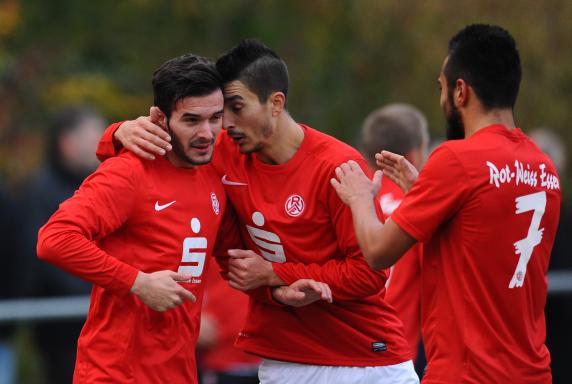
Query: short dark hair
[(486, 57), (397, 128), (184, 76), (257, 66)]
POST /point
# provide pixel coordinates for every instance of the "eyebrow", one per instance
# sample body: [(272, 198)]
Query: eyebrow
[(228, 99), (187, 115)]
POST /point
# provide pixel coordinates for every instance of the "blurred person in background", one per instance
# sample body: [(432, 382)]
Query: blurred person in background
[(224, 312), (10, 254), (72, 136), (402, 129), (558, 307)]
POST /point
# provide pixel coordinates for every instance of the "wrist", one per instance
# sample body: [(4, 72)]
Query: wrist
[(361, 200), (277, 293), (139, 282), (272, 279)]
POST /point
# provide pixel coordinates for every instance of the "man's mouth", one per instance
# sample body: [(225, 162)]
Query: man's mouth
[(202, 145), (236, 136)]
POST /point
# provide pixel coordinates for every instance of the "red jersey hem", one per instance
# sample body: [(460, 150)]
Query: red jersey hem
[(312, 360)]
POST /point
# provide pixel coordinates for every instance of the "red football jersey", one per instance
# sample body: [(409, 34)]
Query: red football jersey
[(290, 214), (487, 208), (133, 215), (404, 283)]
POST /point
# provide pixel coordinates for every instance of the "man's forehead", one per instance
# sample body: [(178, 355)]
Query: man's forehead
[(213, 101), (236, 89)]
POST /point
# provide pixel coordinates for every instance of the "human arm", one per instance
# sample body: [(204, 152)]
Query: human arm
[(441, 190), (142, 136), (382, 244), (101, 205), (345, 270), (397, 168), (235, 264)]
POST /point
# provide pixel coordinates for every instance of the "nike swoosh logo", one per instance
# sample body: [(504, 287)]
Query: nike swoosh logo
[(161, 207), (228, 182)]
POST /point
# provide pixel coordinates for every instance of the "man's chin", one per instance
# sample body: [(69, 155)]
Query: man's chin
[(202, 159)]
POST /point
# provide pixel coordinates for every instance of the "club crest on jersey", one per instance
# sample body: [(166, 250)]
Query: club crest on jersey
[(215, 203), (294, 205)]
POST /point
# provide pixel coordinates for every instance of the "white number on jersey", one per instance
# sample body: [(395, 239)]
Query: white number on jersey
[(534, 202)]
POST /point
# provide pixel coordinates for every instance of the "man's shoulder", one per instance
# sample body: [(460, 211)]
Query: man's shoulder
[(327, 150), (126, 164)]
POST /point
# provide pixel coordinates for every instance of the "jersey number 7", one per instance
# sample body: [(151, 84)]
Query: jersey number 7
[(535, 202)]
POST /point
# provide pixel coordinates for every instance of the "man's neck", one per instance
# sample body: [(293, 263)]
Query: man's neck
[(284, 143), (477, 120)]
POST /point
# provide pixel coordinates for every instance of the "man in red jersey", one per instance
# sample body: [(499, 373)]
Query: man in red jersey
[(142, 232), (486, 206), (401, 129), (275, 172)]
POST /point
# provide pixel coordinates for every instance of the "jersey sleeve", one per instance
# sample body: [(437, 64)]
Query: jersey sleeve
[(101, 205), (349, 277), (107, 147), (439, 192)]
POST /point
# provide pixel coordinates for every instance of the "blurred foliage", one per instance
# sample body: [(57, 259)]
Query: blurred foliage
[(345, 57)]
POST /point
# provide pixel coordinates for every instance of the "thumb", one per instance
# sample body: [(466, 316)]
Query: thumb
[(155, 114), (377, 177), (185, 294)]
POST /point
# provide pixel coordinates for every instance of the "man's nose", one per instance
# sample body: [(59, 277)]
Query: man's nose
[(227, 121)]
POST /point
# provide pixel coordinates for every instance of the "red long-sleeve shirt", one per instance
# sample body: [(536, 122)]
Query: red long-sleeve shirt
[(133, 215)]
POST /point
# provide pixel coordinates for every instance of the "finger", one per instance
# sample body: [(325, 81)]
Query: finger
[(239, 253), (181, 276), (390, 155), (292, 294), (234, 277), (148, 146), (345, 168), (393, 178), (157, 140), (140, 152), (177, 300), (186, 294), (327, 293), (336, 184), (339, 173), (236, 285), (154, 128), (354, 166)]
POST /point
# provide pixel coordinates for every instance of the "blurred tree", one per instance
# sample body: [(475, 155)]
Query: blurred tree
[(345, 57)]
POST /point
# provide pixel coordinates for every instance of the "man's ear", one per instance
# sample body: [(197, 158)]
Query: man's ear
[(158, 117), (277, 103), (461, 93)]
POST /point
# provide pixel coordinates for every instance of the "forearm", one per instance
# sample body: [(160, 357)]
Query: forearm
[(108, 146), (350, 278), (368, 229), (71, 251)]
